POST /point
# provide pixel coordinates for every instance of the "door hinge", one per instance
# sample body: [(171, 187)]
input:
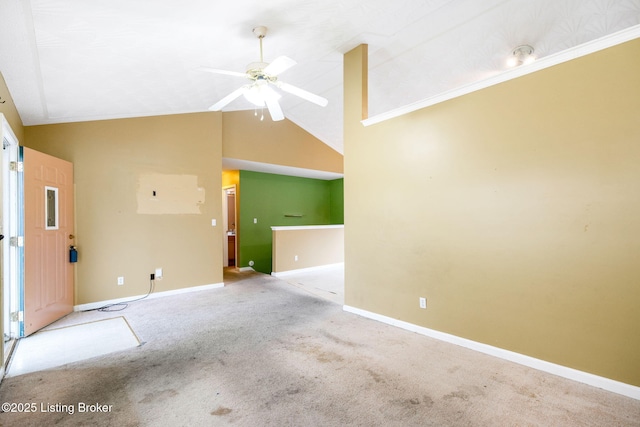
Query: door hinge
[(17, 316), (17, 241), (16, 166)]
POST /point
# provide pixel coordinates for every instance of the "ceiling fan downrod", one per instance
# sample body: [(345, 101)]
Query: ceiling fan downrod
[(260, 32)]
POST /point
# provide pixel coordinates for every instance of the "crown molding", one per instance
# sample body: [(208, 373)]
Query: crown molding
[(584, 49)]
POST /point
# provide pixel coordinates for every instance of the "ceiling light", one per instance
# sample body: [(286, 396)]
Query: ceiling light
[(521, 55), (260, 94)]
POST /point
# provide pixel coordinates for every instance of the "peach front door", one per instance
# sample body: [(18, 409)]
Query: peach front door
[(48, 234)]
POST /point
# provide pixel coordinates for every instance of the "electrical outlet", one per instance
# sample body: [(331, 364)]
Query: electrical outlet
[(295, 258), (120, 280), (158, 273), (423, 302)]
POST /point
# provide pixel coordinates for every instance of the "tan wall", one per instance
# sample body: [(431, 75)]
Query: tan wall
[(8, 108), (314, 247), (514, 210), (122, 230), (280, 143), (119, 231)]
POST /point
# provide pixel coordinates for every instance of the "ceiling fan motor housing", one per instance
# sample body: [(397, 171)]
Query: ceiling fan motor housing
[(254, 67)]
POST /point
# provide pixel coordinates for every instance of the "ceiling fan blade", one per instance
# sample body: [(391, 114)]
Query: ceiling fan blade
[(275, 110), (227, 99), (228, 73), (316, 99), (271, 99), (279, 65)]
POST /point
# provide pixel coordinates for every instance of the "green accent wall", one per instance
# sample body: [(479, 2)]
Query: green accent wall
[(336, 188), (280, 200)]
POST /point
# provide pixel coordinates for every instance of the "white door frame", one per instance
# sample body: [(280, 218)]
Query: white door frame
[(10, 286), (225, 225)]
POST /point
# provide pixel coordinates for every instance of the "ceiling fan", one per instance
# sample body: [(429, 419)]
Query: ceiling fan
[(263, 76)]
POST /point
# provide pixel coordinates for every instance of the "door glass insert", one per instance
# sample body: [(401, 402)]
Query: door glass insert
[(51, 208)]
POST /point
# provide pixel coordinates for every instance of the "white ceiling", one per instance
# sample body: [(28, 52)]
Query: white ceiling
[(77, 60)]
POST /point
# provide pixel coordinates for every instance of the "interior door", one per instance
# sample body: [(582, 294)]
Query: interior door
[(48, 234)]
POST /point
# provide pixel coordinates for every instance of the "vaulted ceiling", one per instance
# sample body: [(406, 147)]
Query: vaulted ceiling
[(78, 60)]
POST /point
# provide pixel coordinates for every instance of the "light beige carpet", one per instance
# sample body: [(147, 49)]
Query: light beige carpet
[(326, 282), (71, 344), (261, 352)]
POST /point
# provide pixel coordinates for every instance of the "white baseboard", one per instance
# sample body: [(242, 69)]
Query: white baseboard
[(541, 365), (94, 305), (305, 270)]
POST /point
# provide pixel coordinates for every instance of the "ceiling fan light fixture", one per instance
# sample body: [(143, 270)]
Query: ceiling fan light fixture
[(260, 94), (521, 55), (254, 97)]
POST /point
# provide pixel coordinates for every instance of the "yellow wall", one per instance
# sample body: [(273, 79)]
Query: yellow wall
[(230, 178), (281, 143), (514, 210), (110, 158)]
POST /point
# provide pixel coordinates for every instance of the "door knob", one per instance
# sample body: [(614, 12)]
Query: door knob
[(71, 236)]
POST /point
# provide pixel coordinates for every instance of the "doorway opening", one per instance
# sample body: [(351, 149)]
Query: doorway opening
[(229, 221)]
